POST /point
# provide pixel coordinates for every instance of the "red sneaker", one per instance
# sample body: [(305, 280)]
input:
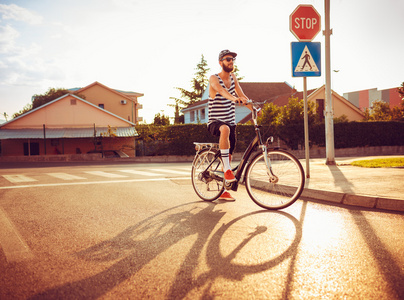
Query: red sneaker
[(229, 176), (226, 196)]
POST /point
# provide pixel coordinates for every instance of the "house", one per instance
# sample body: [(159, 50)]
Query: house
[(258, 91), (278, 94), (341, 106), (67, 125), (364, 99), (120, 103)]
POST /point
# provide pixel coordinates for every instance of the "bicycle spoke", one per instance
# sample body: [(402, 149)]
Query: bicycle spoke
[(280, 188), (207, 187)]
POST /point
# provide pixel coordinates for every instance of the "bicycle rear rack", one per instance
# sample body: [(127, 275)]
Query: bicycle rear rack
[(200, 146)]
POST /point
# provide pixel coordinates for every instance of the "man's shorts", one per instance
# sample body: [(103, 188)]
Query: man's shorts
[(214, 129)]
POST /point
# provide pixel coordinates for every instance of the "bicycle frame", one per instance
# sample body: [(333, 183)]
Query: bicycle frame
[(247, 153)]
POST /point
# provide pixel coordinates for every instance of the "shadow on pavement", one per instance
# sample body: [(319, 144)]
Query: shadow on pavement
[(140, 244), (382, 256)]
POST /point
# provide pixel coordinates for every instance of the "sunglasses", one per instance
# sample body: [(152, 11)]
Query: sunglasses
[(229, 59)]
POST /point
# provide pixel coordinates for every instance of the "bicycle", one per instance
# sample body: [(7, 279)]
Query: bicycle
[(274, 178)]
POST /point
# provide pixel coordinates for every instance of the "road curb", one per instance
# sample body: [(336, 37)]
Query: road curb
[(353, 200)]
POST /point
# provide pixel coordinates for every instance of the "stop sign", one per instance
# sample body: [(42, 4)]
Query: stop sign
[(305, 22)]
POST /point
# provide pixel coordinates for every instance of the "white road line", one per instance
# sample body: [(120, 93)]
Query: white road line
[(18, 178), (171, 171), (185, 168), (105, 174), (143, 173), (91, 182), (14, 247), (65, 176)]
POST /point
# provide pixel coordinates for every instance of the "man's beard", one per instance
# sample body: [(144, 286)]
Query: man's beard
[(228, 69)]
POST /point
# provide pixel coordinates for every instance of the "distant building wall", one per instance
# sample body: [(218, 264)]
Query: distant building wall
[(364, 99), (353, 98), (374, 95), (395, 98)]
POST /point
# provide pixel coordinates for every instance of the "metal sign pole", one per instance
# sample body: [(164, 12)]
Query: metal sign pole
[(329, 123), (306, 128)]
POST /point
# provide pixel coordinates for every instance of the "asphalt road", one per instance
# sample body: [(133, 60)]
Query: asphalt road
[(139, 231)]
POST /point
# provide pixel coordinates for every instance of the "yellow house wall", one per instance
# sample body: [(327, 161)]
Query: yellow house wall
[(97, 94), (63, 114), (340, 108)]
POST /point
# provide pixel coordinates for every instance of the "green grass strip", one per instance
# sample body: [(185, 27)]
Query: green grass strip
[(380, 163)]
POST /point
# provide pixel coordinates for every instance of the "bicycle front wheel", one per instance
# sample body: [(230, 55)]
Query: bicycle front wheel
[(279, 188), (206, 186)]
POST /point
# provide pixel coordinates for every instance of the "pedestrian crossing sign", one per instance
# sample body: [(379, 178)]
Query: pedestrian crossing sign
[(306, 59)]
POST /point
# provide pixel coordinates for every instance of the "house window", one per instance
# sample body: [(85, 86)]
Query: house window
[(192, 117), (320, 107), (73, 102), (202, 114), (101, 106)]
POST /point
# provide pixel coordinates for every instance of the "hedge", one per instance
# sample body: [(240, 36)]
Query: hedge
[(178, 139)]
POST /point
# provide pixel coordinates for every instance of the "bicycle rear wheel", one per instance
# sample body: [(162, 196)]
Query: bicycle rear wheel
[(207, 187), (279, 189)]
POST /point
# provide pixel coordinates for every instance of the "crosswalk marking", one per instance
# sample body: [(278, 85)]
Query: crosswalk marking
[(105, 174), (14, 247), (90, 182), (171, 171), (18, 178), (185, 168), (65, 176), (143, 173)]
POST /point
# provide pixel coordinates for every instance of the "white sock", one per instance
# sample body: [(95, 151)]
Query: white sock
[(225, 159)]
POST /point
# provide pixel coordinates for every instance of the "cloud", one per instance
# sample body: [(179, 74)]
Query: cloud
[(7, 38), (17, 13), (20, 61)]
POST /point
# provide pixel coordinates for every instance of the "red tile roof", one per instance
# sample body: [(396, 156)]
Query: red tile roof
[(261, 91)]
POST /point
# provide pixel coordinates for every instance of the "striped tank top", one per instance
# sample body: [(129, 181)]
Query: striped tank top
[(222, 109)]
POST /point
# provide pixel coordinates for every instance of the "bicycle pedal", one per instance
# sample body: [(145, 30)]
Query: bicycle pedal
[(228, 185)]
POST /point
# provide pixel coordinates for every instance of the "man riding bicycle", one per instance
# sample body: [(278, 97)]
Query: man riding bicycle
[(224, 93)]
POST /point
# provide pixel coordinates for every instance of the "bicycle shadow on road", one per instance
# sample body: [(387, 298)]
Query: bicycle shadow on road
[(223, 263), (141, 243)]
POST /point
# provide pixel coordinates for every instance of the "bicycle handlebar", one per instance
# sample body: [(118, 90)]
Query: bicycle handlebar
[(255, 107)]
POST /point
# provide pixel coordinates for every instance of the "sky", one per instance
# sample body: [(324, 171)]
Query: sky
[(153, 46)]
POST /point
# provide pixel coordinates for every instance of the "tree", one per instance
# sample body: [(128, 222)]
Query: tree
[(291, 121), (397, 113), (401, 92), (235, 71), (178, 119), (379, 111), (269, 117), (39, 100), (161, 119), (199, 84), (50, 95), (25, 109), (288, 121)]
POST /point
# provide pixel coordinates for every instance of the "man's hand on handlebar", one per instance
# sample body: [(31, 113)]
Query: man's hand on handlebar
[(242, 100)]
